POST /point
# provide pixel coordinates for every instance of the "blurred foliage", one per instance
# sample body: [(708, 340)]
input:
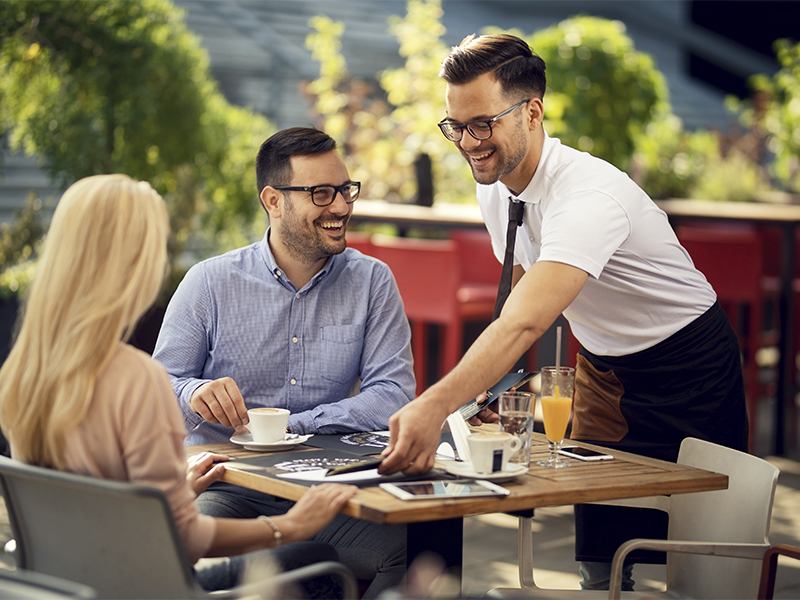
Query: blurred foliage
[(382, 131), (601, 91), (124, 87), (774, 111), (20, 237), (603, 97)]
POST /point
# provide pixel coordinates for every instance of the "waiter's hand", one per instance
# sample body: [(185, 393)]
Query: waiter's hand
[(414, 433), (220, 401), (486, 415)]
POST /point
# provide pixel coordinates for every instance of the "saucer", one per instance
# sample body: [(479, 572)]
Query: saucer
[(464, 469), (290, 441)]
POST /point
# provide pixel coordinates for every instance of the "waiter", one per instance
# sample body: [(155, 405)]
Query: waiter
[(659, 360)]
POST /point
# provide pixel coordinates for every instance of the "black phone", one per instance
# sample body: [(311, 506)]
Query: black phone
[(512, 380), (584, 453)]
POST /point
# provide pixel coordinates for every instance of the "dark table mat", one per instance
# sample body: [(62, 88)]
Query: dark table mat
[(273, 464)]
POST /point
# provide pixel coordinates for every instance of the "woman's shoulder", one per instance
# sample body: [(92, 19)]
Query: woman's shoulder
[(129, 364)]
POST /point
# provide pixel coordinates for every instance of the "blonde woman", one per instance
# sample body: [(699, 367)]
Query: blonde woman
[(75, 397)]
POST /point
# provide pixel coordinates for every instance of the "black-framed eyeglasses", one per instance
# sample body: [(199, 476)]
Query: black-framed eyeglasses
[(480, 130), (323, 195)]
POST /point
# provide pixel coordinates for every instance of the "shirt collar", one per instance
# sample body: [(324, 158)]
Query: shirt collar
[(332, 265)]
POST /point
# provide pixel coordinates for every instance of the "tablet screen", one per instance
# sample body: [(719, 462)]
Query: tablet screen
[(460, 488)]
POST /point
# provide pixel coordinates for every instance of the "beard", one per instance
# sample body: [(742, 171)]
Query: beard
[(305, 241), (505, 160)]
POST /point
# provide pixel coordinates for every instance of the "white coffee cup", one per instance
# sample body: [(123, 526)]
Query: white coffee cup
[(268, 425), (490, 451)]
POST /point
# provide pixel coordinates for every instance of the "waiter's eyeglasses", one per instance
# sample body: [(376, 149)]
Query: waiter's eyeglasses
[(323, 195), (480, 130)]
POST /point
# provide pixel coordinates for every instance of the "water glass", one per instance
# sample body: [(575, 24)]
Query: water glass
[(516, 418)]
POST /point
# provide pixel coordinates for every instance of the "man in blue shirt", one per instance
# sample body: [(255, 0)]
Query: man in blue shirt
[(295, 321)]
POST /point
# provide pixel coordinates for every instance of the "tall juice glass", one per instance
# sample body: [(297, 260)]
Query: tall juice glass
[(558, 384)]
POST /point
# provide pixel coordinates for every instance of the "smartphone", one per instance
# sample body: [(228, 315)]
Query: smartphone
[(584, 453), (457, 488), (512, 380)]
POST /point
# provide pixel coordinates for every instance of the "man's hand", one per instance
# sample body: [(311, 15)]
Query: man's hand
[(486, 415), (220, 401), (203, 469), (414, 433)]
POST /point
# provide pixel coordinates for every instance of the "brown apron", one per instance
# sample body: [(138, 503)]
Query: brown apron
[(689, 385)]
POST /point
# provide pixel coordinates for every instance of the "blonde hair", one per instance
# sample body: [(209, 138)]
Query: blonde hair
[(102, 266)]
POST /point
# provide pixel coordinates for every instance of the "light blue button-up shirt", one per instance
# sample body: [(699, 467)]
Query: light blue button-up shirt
[(336, 353)]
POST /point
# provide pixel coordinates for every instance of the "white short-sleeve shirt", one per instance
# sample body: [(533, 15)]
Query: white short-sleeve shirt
[(584, 212)]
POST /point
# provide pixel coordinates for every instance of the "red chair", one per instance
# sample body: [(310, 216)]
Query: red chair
[(360, 241), (731, 259), (480, 275), (428, 275)]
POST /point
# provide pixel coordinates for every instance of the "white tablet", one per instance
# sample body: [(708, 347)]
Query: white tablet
[(457, 488)]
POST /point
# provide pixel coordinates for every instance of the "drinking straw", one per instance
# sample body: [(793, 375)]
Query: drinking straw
[(558, 347), (558, 358)]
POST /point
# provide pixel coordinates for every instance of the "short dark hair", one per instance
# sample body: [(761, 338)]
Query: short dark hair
[(273, 162), (519, 69)]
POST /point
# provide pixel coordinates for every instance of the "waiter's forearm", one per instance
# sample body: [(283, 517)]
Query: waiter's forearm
[(534, 304)]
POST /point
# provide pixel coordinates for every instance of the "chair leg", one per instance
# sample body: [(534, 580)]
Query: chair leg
[(451, 352), (419, 351), (525, 552)]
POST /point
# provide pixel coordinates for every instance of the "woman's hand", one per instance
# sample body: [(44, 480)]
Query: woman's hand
[(203, 469), (314, 511)]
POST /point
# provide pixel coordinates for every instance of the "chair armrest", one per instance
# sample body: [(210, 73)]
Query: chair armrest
[(766, 588), (733, 550), (255, 590)]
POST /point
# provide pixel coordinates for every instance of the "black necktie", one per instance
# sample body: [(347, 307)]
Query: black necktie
[(515, 211)]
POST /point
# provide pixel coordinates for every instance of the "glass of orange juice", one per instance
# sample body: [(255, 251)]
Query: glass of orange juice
[(558, 384)]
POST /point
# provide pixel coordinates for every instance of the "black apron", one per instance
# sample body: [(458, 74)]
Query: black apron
[(689, 385)]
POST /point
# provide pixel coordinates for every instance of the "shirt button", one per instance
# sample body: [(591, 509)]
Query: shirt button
[(531, 238), (293, 381), (297, 295), (294, 339)]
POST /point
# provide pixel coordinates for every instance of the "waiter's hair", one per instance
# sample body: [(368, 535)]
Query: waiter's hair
[(102, 266), (274, 159), (520, 71)]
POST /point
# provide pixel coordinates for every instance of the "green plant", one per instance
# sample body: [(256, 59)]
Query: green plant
[(115, 86), (774, 110), (601, 92), (669, 161), (383, 131)]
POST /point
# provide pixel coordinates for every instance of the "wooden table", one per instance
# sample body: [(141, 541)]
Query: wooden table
[(438, 525), (784, 216)]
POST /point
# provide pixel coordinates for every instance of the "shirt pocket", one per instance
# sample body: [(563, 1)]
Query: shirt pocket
[(340, 352)]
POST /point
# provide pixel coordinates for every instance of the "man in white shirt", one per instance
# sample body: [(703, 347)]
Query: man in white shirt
[(659, 360)]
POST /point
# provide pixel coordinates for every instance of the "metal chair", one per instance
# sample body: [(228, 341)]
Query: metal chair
[(20, 584), (769, 567), (118, 538), (716, 539)]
